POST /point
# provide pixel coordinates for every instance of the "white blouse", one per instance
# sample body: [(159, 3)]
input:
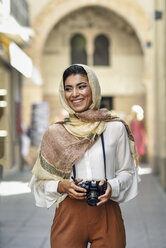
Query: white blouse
[(120, 168)]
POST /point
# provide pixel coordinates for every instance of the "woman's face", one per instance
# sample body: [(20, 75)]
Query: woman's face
[(78, 93)]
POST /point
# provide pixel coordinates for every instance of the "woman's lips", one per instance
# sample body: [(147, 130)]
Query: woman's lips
[(77, 102)]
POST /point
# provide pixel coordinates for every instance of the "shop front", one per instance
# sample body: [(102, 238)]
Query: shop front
[(11, 75)]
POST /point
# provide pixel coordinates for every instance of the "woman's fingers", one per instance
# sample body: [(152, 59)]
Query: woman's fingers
[(75, 195), (77, 188), (76, 192), (102, 202), (101, 182), (105, 197)]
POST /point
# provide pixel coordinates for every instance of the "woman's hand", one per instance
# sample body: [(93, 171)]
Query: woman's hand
[(73, 191), (104, 198)]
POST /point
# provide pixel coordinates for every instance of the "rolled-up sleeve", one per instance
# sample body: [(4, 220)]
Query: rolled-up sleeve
[(125, 184)]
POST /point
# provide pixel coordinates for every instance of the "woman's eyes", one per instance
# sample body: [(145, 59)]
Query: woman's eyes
[(81, 87), (68, 89)]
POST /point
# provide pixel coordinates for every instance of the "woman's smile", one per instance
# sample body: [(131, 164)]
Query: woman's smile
[(77, 101), (78, 93)]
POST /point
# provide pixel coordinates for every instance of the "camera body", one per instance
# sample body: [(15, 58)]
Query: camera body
[(94, 190)]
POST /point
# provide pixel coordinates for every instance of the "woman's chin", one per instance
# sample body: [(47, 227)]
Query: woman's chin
[(79, 109)]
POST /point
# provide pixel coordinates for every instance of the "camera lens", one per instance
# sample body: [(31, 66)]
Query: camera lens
[(92, 198)]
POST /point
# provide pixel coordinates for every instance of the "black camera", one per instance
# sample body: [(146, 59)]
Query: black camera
[(94, 190)]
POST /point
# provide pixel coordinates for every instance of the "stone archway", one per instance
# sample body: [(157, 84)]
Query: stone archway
[(54, 12), (116, 79)]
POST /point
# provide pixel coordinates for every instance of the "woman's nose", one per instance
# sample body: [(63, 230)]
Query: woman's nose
[(75, 92)]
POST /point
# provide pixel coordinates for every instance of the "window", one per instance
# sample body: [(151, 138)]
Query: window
[(101, 51), (107, 102), (78, 50)]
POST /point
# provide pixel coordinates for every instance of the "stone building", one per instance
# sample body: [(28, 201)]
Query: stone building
[(122, 40)]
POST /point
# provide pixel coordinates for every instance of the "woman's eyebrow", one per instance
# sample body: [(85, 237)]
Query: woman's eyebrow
[(81, 83), (69, 85)]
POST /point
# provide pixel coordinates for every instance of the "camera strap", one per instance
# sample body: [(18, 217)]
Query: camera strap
[(104, 157)]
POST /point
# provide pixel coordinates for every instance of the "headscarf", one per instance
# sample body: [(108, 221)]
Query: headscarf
[(64, 143)]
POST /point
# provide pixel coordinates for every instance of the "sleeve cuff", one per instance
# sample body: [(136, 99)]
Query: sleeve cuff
[(115, 187), (51, 187)]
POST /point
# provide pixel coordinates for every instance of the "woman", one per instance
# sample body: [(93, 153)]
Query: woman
[(139, 134), (77, 141)]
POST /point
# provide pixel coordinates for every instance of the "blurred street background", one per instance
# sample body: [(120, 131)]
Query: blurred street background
[(124, 41)]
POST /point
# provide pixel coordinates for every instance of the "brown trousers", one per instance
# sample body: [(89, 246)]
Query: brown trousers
[(76, 223)]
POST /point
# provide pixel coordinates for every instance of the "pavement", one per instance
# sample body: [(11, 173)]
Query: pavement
[(22, 225)]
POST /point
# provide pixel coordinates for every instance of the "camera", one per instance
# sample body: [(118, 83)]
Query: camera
[(94, 190)]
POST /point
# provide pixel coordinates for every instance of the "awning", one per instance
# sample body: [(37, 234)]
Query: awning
[(15, 32), (18, 59)]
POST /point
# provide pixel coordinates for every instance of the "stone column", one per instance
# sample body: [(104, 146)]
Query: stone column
[(162, 95), (160, 88), (156, 23), (90, 47)]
